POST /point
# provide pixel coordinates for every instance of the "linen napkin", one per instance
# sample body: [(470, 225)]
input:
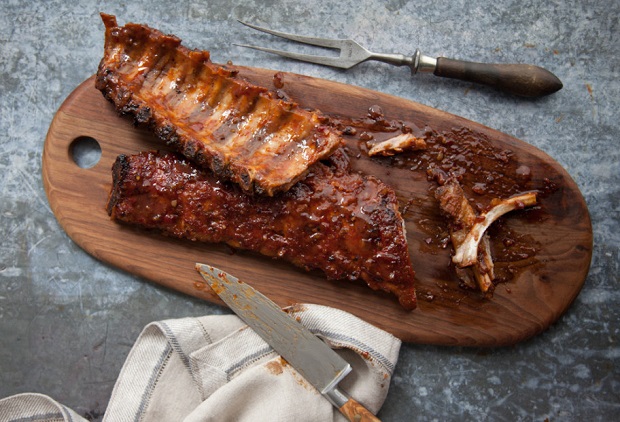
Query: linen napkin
[(215, 368)]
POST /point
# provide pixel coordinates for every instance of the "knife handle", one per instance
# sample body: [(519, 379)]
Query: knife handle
[(355, 412), (519, 79)]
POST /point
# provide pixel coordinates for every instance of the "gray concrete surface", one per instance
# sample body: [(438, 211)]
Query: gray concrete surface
[(68, 321)]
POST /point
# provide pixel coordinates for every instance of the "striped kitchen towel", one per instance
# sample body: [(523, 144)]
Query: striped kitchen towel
[(215, 368)]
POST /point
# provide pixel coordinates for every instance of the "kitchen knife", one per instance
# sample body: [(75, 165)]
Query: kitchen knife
[(309, 355)]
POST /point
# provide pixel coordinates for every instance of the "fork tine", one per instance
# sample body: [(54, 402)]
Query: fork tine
[(323, 60), (320, 42)]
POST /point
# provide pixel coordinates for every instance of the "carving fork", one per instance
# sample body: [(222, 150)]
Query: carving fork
[(518, 79)]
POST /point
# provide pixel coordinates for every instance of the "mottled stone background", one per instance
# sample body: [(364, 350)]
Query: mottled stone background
[(67, 321)]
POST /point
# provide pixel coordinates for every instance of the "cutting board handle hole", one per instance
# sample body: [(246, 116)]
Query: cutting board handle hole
[(85, 151)]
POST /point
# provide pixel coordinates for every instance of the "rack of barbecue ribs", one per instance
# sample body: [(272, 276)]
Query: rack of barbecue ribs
[(240, 131), (342, 223)]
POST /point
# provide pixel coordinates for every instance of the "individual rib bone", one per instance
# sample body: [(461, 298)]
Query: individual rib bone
[(466, 253), (472, 257)]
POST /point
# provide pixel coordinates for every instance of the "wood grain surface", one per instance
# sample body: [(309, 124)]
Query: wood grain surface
[(540, 292)]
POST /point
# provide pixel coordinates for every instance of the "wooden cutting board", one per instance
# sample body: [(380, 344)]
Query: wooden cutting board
[(542, 289)]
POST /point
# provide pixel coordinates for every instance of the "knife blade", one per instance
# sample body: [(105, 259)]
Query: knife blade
[(309, 355)]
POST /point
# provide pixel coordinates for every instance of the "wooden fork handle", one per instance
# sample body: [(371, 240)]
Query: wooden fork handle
[(518, 79)]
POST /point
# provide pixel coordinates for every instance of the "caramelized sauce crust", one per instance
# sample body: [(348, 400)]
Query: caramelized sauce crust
[(336, 221)]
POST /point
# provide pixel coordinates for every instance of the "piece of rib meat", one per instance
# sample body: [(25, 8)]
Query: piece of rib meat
[(466, 253), (240, 131), (397, 144), (462, 217), (342, 223), (472, 247)]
